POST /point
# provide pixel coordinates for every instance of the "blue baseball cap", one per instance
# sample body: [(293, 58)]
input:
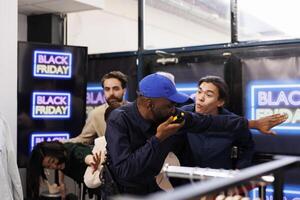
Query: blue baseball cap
[(159, 86)]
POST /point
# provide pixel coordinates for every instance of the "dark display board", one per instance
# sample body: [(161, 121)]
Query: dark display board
[(262, 81), (189, 69), (270, 80), (272, 85), (51, 94), (100, 65)]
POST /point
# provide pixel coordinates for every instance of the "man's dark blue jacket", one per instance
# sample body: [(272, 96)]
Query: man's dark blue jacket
[(135, 154), (213, 149)]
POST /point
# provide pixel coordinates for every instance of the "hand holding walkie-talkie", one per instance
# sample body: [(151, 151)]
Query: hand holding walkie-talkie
[(178, 118)]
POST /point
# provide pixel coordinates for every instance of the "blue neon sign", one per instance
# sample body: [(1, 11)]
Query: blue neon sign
[(290, 192), (38, 137), (51, 105), (267, 98), (187, 88), (94, 95), (50, 64)]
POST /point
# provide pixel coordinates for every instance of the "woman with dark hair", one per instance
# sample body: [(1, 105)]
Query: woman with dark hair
[(71, 159)]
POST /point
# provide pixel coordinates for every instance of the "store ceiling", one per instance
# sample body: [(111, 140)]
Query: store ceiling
[(37, 7)]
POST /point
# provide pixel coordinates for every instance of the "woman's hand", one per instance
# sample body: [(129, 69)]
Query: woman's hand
[(96, 161), (93, 160)]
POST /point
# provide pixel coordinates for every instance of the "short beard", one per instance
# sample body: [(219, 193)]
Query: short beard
[(113, 99)]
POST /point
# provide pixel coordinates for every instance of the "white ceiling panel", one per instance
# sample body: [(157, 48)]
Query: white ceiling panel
[(28, 2), (36, 7)]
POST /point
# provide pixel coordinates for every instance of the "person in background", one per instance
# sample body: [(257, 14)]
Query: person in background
[(69, 158), (140, 135), (215, 149), (92, 178), (11, 187), (114, 86)]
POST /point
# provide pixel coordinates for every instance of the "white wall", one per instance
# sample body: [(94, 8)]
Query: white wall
[(165, 30), (112, 29), (22, 27), (115, 29), (102, 32), (8, 63)]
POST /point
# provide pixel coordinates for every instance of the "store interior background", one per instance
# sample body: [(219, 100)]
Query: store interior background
[(111, 26)]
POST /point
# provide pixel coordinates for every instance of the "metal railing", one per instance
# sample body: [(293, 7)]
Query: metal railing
[(276, 167)]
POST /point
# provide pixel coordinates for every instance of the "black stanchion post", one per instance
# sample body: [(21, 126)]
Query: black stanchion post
[(278, 185)]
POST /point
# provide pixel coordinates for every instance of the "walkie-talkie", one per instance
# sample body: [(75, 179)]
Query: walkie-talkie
[(178, 118)]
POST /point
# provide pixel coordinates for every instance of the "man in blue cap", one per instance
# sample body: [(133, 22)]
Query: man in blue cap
[(141, 134)]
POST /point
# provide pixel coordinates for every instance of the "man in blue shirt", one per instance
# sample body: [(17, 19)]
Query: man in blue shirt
[(217, 149), (141, 134)]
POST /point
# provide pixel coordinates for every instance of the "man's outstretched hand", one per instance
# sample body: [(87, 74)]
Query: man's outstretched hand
[(266, 123)]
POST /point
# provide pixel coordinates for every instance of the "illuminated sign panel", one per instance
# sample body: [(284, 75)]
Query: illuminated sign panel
[(38, 137), (51, 105), (273, 97), (94, 96), (187, 88), (52, 64), (290, 192)]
